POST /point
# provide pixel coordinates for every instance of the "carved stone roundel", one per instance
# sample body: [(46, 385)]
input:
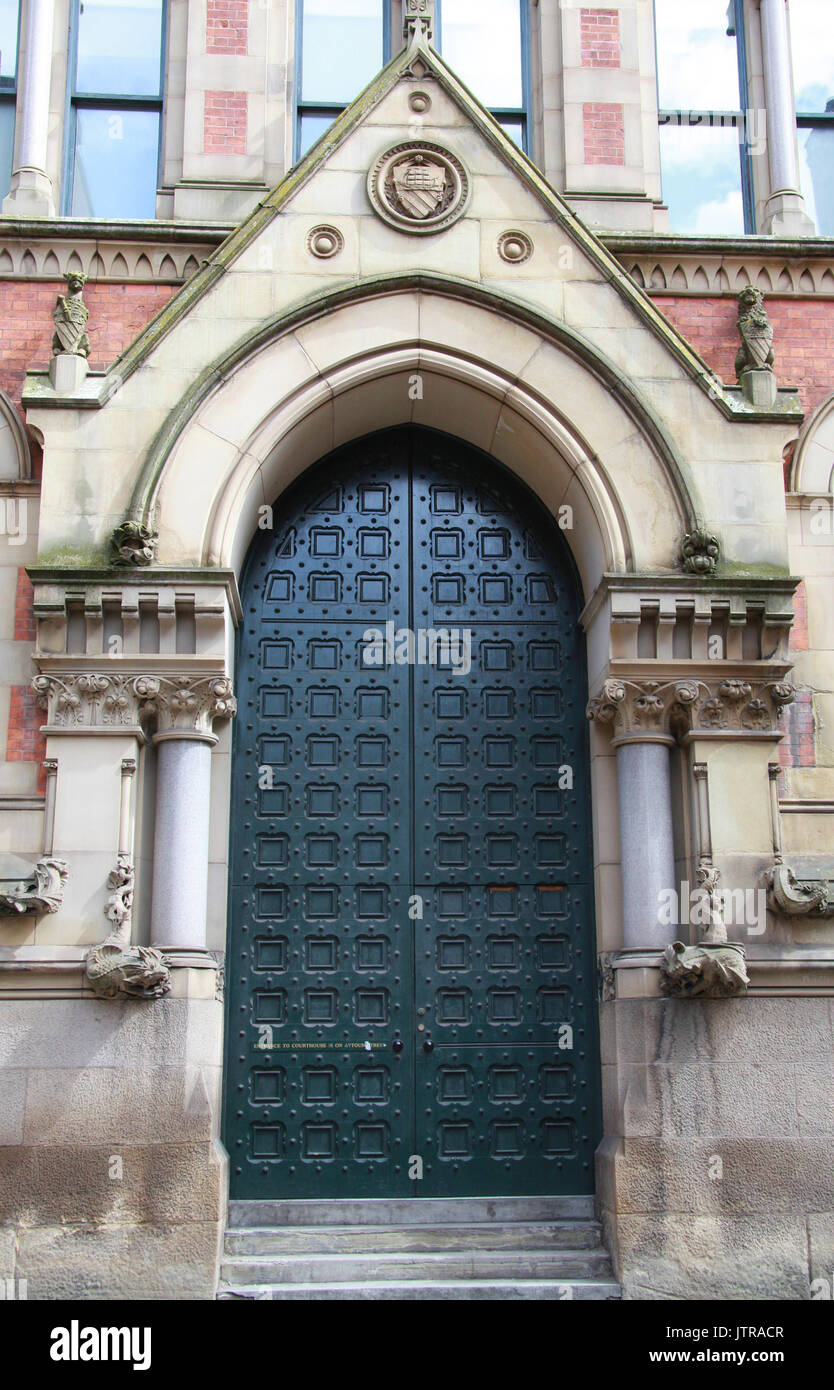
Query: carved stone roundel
[(418, 186)]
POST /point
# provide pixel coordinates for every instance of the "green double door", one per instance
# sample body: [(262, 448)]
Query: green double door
[(411, 981)]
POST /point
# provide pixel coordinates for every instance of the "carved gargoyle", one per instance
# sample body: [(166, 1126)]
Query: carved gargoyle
[(42, 892), (70, 318), (699, 551), (797, 897), (755, 331), (132, 544), (704, 971), (115, 969)]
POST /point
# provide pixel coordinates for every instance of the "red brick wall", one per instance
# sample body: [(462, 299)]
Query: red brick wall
[(799, 632), (600, 38), (117, 314), (226, 26), (25, 743), (604, 131), (224, 123), (797, 748), (803, 338), (24, 617)]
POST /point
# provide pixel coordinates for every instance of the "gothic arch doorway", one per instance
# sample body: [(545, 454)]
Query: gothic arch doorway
[(411, 955)]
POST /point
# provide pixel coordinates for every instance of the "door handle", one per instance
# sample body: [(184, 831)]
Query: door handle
[(428, 1045), (397, 1045)]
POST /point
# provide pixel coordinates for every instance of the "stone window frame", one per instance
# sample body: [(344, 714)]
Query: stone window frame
[(106, 101)]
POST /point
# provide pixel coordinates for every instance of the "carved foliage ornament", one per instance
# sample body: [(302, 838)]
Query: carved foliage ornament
[(418, 186), (189, 703), (43, 892), (132, 545), (699, 552), (675, 707)]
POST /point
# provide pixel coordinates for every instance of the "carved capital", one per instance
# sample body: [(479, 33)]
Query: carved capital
[(43, 892), (188, 705), (737, 706), (89, 700), (669, 709), (642, 710)]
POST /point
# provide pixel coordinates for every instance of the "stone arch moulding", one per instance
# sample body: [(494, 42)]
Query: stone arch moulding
[(812, 470), (529, 391), (15, 446)]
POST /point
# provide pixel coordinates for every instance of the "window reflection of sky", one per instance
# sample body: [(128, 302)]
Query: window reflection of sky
[(8, 38), (342, 48), (812, 46), (116, 155), (698, 71), (702, 180), (697, 61), (481, 42), (119, 47)]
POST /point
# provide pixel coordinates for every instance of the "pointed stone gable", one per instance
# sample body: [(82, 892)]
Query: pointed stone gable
[(517, 235)]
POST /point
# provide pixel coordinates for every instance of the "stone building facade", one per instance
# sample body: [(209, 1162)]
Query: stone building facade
[(341, 318)]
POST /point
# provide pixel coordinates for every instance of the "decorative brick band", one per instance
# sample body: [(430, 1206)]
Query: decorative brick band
[(604, 128), (600, 38), (224, 123), (227, 23)]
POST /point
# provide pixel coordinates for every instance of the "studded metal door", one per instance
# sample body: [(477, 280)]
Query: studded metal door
[(411, 1003)]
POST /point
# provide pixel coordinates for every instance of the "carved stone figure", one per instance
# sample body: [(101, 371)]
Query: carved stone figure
[(756, 332), (812, 897), (417, 19), (115, 971), (119, 907), (43, 892), (70, 318), (710, 972)]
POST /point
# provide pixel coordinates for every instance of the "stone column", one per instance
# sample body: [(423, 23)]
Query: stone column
[(639, 714), (646, 840), (185, 711), (785, 213), (31, 193)]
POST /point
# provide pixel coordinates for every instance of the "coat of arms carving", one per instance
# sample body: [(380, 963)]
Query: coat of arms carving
[(419, 186)]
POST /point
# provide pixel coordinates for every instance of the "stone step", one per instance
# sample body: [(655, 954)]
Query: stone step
[(476, 1235), (525, 1290), (391, 1266), (407, 1211)]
